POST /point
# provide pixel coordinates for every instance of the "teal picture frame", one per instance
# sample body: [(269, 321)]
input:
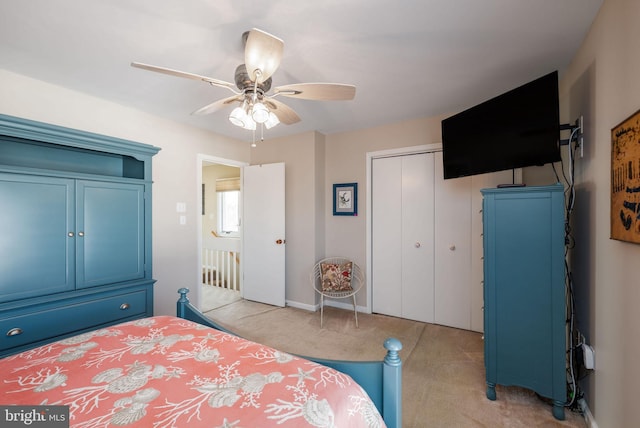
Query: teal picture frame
[(345, 199)]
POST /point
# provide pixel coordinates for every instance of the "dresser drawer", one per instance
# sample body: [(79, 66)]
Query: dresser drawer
[(66, 319)]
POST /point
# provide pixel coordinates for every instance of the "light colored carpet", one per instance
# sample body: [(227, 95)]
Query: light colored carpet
[(214, 297), (443, 368)]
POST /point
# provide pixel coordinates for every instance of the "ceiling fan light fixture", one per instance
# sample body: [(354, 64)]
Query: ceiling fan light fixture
[(250, 124), (238, 117), (260, 113), (271, 121)]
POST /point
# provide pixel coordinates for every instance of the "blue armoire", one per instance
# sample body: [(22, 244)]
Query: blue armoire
[(75, 253), (524, 291)]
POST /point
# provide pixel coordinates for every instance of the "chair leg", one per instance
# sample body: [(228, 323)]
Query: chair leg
[(355, 309), (321, 309)]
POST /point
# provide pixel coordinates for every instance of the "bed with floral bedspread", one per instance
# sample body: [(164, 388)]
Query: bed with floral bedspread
[(166, 371)]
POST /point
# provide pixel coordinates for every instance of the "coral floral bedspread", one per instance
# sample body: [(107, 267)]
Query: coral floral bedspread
[(169, 372)]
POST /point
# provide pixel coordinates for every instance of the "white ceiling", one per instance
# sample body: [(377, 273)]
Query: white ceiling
[(408, 59)]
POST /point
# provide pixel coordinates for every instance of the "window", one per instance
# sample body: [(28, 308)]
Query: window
[(229, 213), (228, 191)]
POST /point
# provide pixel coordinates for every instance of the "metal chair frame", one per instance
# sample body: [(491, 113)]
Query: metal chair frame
[(357, 281)]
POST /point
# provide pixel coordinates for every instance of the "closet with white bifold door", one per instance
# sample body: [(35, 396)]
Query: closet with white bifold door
[(426, 240)]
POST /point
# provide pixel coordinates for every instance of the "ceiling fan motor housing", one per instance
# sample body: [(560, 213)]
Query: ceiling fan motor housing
[(244, 83)]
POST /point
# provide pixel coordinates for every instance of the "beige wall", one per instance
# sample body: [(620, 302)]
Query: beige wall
[(603, 84)]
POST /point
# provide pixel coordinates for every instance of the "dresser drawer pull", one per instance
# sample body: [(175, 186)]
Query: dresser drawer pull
[(124, 306), (14, 332)]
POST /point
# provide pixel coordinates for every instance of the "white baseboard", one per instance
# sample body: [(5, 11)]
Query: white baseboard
[(588, 417), (332, 303), (304, 306)]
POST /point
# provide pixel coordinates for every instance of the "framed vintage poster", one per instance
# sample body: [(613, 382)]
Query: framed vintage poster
[(345, 199), (625, 180)]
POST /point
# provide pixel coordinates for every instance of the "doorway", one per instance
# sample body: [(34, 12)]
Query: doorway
[(248, 261), (219, 232)]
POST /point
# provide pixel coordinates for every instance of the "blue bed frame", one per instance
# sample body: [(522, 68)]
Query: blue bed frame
[(381, 379)]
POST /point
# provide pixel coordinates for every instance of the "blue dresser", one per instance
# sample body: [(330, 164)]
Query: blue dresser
[(75, 223), (524, 291)]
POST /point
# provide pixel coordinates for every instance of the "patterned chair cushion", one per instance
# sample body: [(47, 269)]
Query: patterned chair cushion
[(336, 277)]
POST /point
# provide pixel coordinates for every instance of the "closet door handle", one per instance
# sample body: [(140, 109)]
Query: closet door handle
[(14, 332), (70, 234), (81, 234)]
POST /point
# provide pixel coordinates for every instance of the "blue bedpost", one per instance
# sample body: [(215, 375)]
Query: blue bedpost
[(180, 311), (392, 388)]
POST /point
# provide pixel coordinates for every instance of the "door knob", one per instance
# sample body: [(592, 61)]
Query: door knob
[(417, 245), (452, 247), (280, 241)]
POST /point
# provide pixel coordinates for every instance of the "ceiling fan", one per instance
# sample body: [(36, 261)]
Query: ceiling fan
[(255, 105)]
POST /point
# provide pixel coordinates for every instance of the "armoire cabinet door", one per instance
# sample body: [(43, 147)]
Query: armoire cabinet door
[(110, 232), (36, 249)]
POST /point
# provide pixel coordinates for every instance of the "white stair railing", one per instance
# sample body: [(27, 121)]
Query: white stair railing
[(221, 262)]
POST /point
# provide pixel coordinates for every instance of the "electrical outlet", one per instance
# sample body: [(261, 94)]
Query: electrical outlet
[(580, 124), (580, 138), (589, 357)]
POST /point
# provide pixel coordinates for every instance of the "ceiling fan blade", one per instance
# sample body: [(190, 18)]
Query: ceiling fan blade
[(284, 113), (263, 52), (186, 75), (217, 105), (318, 91)]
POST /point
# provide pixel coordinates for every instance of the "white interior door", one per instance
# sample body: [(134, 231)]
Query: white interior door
[(386, 242), (417, 231), (402, 236), (263, 232), (452, 249)]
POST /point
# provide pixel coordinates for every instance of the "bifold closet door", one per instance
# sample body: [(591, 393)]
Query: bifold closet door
[(402, 192), (452, 249)]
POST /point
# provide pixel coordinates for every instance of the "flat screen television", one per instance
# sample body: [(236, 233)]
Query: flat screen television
[(516, 129)]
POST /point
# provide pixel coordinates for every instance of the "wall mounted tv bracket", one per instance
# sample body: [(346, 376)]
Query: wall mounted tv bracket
[(577, 131)]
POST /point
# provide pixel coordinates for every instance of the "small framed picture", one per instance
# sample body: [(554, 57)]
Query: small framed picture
[(345, 199)]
